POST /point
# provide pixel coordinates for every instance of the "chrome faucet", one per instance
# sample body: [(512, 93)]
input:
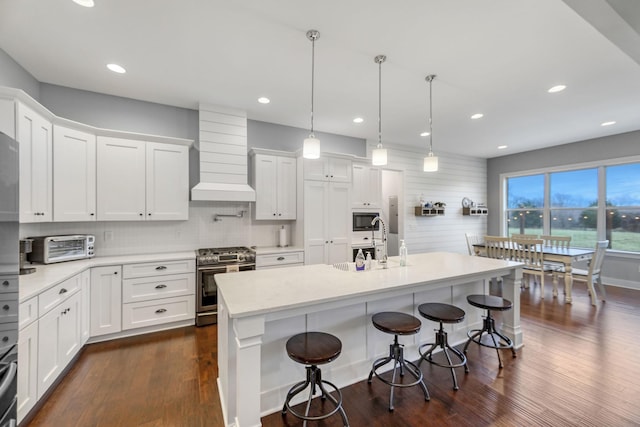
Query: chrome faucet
[(382, 261)]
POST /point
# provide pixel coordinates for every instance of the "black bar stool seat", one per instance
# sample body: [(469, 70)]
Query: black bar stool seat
[(397, 324), (489, 336), (313, 349), (442, 313)]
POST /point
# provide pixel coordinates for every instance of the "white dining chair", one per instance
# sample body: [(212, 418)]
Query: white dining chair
[(529, 252), (592, 274), (472, 239), (524, 236), (497, 247)]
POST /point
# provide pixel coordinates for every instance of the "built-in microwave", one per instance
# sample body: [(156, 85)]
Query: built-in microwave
[(362, 221)]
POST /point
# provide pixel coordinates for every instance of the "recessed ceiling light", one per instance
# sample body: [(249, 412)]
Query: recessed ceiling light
[(85, 3), (557, 88), (358, 120), (116, 68), (424, 134), (264, 100), (477, 116), (502, 147), (608, 123)]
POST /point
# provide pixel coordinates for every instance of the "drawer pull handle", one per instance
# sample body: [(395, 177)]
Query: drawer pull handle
[(5, 283), (161, 310), (62, 291), (161, 267), (6, 307), (280, 258), (161, 286)]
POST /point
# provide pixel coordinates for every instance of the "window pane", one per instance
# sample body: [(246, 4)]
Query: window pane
[(623, 185), (623, 229), (524, 222), (574, 189), (525, 192), (580, 224)]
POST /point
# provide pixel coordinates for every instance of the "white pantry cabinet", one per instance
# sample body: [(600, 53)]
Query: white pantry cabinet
[(326, 222), (274, 179), (106, 300), (139, 180), (367, 186), (34, 133), (326, 168), (74, 175)]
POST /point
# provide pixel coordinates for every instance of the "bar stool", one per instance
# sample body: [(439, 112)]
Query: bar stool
[(397, 324), (442, 313), (313, 349), (480, 336)]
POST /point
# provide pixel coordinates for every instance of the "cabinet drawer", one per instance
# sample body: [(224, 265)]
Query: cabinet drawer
[(156, 312), (28, 312), (8, 336), (279, 259), (159, 268), (9, 308), (60, 292), (8, 284), (147, 288)]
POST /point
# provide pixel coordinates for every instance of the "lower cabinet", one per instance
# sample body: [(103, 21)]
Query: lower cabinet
[(280, 259), (106, 300), (28, 366)]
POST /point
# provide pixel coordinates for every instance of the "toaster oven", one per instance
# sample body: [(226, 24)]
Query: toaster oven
[(51, 249)]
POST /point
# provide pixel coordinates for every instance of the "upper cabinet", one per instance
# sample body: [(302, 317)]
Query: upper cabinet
[(367, 186), (274, 179), (74, 175), (139, 180), (335, 169), (34, 133)]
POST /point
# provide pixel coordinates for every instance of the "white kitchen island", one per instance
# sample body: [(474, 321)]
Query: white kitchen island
[(259, 310)]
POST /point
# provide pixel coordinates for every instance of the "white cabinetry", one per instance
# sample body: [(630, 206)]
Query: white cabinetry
[(335, 169), (367, 186), (85, 305), (58, 330), (74, 175), (8, 117), (106, 300), (280, 259), (274, 179), (326, 222), (157, 293), (34, 135), (140, 180), (28, 358)]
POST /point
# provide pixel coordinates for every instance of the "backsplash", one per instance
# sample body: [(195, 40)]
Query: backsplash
[(200, 231)]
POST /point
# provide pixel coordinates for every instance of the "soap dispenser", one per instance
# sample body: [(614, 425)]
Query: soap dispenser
[(403, 253)]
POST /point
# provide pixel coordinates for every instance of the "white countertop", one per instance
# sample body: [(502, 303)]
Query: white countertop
[(257, 292), (269, 250), (50, 275)]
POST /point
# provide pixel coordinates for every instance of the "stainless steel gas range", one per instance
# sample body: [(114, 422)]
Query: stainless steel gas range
[(210, 262)]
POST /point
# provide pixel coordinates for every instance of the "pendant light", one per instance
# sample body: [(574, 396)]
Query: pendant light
[(431, 161), (311, 145), (379, 154)]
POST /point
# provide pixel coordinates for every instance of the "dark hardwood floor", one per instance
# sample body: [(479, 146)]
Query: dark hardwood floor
[(580, 366)]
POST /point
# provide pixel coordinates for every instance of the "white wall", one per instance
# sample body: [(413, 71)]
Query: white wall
[(457, 177)]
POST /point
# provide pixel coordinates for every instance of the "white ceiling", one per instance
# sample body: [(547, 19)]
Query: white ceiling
[(497, 57)]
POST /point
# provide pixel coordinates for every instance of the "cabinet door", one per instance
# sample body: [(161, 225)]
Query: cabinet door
[(264, 180), (70, 333), (339, 169), (85, 307), (374, 189), (106, 300), (286, 187), (315, 222), (34, 135), (360, 186), (50, 362), (316, 169), (338, 222), (120, 179), (28, 372), (167, 181), (74, 175)]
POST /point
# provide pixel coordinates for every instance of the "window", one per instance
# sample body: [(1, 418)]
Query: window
[(587, 204)]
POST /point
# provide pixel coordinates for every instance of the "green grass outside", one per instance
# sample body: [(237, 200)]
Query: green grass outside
[(620, 240)]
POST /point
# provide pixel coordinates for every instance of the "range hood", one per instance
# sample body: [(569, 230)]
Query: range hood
[(223, 156)]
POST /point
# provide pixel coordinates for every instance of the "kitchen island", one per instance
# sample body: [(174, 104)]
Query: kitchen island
[(259, 310)]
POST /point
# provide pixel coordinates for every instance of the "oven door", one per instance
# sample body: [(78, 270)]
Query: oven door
[(207, 301)]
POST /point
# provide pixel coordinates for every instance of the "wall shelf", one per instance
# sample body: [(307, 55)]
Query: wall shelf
[(475, 211), (423, 211)]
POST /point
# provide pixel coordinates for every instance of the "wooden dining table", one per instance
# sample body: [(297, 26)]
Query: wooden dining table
[(564, 256)]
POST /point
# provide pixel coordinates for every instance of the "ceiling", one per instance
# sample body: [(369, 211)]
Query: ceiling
[(496, 57)]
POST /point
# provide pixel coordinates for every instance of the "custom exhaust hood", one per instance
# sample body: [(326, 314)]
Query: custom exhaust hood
[(223, 156)]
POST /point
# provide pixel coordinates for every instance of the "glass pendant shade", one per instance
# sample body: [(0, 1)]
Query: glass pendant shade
[(430, 163), (379, 156), (311, 148)]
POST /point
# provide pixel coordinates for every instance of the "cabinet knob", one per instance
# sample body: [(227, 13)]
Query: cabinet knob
[(326, 241), (141, 214), (62, 291), (162, 286), (274, 214), (5, 283), (161, 310), (92, 214), (279, 214), (326, 176), (149, 214), (331, 176), (115, 272), (6, 307), (5, 338)]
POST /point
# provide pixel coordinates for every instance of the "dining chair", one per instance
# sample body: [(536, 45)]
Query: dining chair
[(593, 273), (497, 247), (472, 239), (524, 236), (557, 242), (529, 252)]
